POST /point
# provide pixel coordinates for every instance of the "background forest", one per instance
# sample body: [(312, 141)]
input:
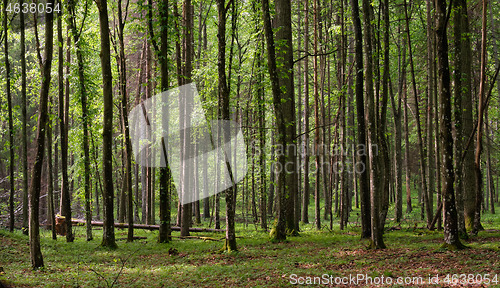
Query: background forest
[(364, 117)]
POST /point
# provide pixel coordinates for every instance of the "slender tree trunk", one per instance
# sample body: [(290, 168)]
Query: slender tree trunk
[(463, 74), (24, 120), (11, 125), (50, 189), (396, 111), (451, 238), (206, 201), (409, 207), (223, 92), (374, 158), (385, 158), (317, 140), (262, 163), (108, 236), (491, 187), (284, 109), (430, 104), (85, 117), (165, 178), (481, 108), (187, 209), (305, 141), (63, 125), (34, 195), (424, 192), (360, 114)]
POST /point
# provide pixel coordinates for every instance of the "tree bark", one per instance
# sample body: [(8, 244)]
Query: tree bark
[(375, 168), (65, 205), (11, 125), (305, 141), (165, 178), (34, 195), (463, 74), (187, 209), (85, 117), (108, 236), (284, 109), (479, 140), (423, 178), (24, 121), (50, 181), (451, 239), (360, 114), (223, 94)]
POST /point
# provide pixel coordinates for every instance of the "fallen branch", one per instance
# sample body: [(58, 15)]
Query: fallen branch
[(145, 226), (197, 237)]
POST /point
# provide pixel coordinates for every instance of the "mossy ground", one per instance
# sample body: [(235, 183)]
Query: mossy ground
[(258, 263)]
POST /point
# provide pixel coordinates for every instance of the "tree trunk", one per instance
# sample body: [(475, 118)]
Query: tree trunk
[(11, 125), (85, 117), (24, 120), (34, 195), (284, 109), (65, 208), (409, 207), (423, 178), (398, 161), (481, 108), (50, 181), (451, 238), (165, 178), (430, 104), (463, 74), (317, 140), (360, 114), (305, 141), (385, 159), (375, 168), (187, 209), (108, 236), (223, 94)]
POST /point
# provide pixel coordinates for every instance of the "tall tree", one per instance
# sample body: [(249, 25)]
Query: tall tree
[(451, 238), (11, 125), (108, 235), (317, 140), (186, 211), (50, 177), (65, 205), (360, 116), (284, 109), (397, 112), (480, 112), (305, 141), (463, 95), (374, 166), (36, 179), (165, 178), (421, 149), (85, 115), (223, 92), (24, 120), (127, 195)]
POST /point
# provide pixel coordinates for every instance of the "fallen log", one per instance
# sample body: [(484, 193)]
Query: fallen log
[(145, 226)]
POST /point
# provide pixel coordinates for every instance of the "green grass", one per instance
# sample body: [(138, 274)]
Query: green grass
[(259, 263)]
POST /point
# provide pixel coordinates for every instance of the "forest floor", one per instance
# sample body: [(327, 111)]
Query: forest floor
[(336, 258)]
